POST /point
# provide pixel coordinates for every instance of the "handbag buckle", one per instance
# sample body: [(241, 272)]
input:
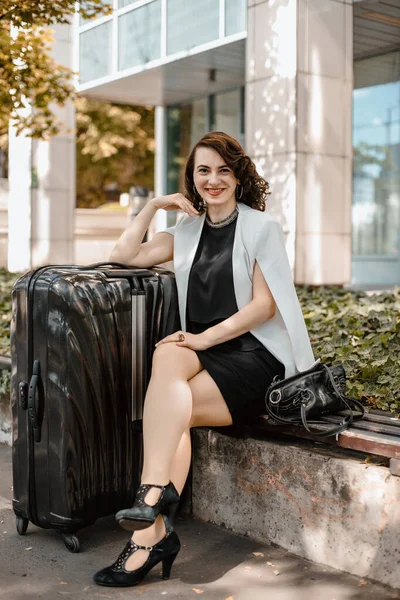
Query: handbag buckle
[(275, 393), (306, 396)]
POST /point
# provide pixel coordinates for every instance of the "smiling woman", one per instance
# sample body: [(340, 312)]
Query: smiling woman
[(241, 326)]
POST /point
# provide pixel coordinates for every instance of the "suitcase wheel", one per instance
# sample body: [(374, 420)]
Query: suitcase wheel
[(22, 525), (71, 542)]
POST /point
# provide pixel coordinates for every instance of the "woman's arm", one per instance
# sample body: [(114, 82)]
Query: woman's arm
[(131, 251), (129, 244), (261, 308)]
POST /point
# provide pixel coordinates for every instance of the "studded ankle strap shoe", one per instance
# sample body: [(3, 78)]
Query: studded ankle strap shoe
[(164, 551), (143, 515)]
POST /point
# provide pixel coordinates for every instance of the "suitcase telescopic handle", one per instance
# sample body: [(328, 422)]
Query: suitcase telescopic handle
[(33, 414)]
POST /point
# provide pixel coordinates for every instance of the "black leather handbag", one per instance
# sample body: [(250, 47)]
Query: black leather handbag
[(306, 397)]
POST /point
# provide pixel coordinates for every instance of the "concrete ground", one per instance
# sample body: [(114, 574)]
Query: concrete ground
[(213, 564)]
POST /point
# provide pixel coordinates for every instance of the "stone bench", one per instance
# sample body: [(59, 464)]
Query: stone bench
[(322, 501), (377, 433)]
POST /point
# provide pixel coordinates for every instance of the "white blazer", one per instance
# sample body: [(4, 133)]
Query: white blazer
[(258, 237)]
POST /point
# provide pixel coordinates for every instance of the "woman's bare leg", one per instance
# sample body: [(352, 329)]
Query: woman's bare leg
[(166, 418), (208, 408), (167, 410)]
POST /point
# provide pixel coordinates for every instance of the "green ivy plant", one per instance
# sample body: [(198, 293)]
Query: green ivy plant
[(6, 283), (361, 331), (358, 329)]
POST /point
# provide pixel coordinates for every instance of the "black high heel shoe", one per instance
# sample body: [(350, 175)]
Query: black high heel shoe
[(143, 515), (164, 551)]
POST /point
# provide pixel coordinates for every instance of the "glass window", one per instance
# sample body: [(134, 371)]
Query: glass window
[(191, 24), (185, 126), (198, 123), (95, 52), (235, 16), (226, 113), (122, 3), (178, 126), (376, 156), (188, 122), (139, 38)]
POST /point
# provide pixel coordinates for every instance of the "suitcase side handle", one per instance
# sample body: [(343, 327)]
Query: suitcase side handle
[(129, 269), (104, 264), (32, 401), (109, 264)]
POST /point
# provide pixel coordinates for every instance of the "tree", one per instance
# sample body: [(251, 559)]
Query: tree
[(29, 76), (372, 154), (115, 144)]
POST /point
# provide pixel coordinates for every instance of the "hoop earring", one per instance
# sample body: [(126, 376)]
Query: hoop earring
[(202, 201), (238, 196)]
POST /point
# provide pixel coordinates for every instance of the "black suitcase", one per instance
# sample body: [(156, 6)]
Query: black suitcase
[(82, 340)]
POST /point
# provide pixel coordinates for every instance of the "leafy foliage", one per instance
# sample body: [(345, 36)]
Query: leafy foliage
[(6, 282), (47, 12), (361, 331), (115, 143), (30, 78), (372, 154)]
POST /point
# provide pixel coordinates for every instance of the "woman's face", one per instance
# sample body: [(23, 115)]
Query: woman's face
[(214, 180)]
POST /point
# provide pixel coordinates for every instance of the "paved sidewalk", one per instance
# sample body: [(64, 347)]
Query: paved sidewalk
[(214, 564)]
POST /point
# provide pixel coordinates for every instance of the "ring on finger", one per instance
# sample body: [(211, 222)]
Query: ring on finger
[(181, 337)]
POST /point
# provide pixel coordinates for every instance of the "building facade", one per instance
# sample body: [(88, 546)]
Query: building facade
[(311, 88)]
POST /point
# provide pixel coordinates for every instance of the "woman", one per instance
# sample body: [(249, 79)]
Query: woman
[(241, 326)]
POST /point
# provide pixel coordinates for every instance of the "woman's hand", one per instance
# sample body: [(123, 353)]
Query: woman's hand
[(175, 202), (188, 340)]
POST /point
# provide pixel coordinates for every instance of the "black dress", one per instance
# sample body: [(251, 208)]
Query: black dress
[(242, 368)]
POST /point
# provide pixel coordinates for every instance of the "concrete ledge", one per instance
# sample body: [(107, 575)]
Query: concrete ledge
[(324, 505)]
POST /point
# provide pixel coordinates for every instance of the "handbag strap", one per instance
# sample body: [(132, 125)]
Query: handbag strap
[(347, 420), (345, 400), (356, 403), (335, 430)]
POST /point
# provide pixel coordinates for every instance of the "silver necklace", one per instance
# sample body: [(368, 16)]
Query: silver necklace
[(227, 221)]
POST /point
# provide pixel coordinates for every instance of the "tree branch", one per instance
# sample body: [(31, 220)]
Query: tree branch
[(7, 12)]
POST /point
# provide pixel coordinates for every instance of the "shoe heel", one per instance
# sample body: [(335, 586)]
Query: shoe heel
[(167, 565), (170, 512)]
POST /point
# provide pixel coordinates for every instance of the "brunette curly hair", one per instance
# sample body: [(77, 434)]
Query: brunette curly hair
[(255, 188)]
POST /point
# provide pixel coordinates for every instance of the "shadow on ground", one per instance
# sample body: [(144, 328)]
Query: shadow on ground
[(214, 564)]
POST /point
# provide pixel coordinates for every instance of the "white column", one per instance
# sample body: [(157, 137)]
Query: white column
[(298, 127), (42, 186), (19, 202), (271, 105), (160, 220)]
